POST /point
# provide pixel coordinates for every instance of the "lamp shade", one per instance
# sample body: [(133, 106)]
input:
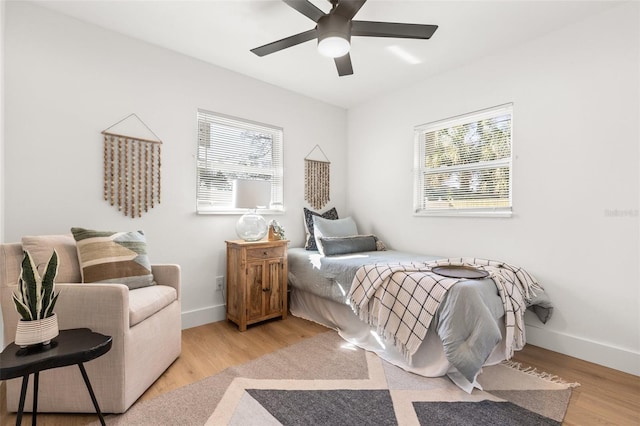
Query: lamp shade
[(251, 194)]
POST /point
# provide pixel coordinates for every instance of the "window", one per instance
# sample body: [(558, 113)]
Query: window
[(231, 148), (463, 164)]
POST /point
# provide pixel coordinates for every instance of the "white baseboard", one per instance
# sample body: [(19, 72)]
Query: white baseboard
[(203, 316), (587, 350)]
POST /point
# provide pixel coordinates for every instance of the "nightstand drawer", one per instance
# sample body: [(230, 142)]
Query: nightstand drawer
[(265, 252)]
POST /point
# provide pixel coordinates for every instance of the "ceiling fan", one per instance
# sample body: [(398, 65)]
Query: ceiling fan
[(334, 31)]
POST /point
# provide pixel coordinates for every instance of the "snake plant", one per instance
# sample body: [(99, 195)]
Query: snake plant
[(36, 295)]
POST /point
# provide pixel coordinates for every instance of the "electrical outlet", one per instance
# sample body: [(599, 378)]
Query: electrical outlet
[(219, 283)]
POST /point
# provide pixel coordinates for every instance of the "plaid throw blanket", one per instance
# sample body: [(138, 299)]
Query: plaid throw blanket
[(401, 300)]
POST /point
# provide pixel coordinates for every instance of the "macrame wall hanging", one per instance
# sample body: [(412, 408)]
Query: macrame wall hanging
[(316, 179), (131, 166)]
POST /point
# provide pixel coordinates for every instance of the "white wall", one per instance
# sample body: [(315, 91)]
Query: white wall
[(576, 137), (2, 48), (66, 81)]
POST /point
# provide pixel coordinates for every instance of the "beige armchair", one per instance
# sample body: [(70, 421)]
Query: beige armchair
[(145, 325)]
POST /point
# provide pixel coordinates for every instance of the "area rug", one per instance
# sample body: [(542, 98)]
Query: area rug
[(324, 380)]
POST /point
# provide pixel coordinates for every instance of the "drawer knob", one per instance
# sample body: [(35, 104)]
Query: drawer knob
[(264, 253)]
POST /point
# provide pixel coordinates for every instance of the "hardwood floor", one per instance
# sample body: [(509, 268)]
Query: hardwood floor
[(605, 397)]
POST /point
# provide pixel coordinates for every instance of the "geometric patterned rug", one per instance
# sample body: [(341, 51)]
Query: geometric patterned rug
[(324, 380)]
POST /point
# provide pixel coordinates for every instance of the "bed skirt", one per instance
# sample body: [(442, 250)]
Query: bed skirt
[(428, 361)]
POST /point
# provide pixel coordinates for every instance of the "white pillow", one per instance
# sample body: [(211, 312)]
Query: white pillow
[(332, 228)]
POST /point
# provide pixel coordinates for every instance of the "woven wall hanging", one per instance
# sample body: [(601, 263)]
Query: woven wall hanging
[(131, 167), (316, 180)]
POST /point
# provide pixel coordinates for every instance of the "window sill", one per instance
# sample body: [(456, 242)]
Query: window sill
[(458, 213), (238, 212)]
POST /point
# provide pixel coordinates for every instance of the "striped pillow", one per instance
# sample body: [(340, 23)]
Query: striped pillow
[(113, 257)]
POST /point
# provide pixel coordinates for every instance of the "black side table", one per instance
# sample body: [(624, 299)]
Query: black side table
[(74, 346)]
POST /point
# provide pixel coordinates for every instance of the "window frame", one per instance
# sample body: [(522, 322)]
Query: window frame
[(421, 170), (276, 172)]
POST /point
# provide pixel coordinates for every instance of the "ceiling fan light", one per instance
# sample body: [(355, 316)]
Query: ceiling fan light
[(333, 47), (334, 35)]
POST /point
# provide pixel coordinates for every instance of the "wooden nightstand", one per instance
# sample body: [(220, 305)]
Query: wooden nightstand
[(256, 281)]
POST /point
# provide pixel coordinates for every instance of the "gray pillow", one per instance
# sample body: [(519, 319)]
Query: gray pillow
[(332, 246), (333, 228)]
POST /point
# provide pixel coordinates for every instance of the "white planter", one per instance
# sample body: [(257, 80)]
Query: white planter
[(37, 331)]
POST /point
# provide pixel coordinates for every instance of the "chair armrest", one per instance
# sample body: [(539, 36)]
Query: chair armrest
[(167, 274), (104, 308)]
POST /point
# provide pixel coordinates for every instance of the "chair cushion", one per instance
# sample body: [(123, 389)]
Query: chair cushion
[(113, 257), (146, 301), (41, 247)]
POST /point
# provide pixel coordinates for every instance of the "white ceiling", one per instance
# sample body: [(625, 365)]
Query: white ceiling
[(223, 32)]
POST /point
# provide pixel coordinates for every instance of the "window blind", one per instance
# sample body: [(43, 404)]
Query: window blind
[(231, 148), (463, 164)]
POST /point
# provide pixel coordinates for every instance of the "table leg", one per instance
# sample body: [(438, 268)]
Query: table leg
[(93, 396), (34, 413), (23, 394)]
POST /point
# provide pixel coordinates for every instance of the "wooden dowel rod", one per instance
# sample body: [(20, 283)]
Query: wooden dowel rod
[(130, 137)]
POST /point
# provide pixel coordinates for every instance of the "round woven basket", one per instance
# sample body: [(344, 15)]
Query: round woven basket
[(37, 331)]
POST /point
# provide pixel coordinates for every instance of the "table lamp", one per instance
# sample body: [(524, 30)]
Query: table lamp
[(251, 194)]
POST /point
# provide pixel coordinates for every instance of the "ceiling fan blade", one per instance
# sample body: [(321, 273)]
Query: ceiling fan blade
[(349, 8), (285, 42), (392, 29), (343, 63), (307, 8)]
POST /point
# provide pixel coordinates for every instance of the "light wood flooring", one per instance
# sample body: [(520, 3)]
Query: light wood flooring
[(605, 397)]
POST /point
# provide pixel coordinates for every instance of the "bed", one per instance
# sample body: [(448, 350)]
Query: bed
[(466, 332)]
